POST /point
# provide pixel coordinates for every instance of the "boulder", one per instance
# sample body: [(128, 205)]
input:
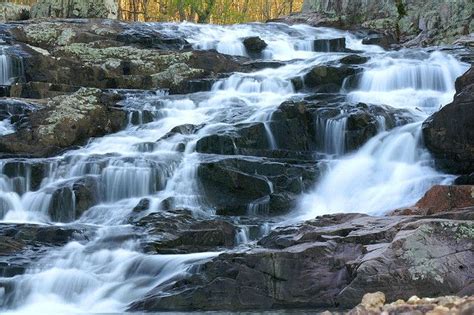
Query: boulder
[(254, 186), (254, 46), (64, 122), (446, 198), (449, 133), (179, 232), (330, 45), (354, 60), (321, 76)]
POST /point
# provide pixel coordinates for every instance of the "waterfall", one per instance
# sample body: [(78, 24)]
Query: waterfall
[(155, 158)]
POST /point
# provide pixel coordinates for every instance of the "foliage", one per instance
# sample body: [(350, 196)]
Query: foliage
[(202, 11)]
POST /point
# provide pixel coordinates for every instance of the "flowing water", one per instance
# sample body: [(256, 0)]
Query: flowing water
[(107, 272)]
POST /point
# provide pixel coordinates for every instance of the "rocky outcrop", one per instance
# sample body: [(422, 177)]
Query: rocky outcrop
[(254, 46), (374, 303), (336, 259), (449, 133), (106, 9), (65, 121), (111, 54), (436, 21)]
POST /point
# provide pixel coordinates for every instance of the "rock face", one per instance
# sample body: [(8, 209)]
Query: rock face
[(64, 122), (449, 133), (336, 258), (438, 21), (111, 54), (106, 9)]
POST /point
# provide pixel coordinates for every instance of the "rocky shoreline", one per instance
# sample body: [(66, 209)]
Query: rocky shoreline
[(76, 73)]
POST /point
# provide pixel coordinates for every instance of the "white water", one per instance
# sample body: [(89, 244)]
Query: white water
[(107, 273), (393, 169)]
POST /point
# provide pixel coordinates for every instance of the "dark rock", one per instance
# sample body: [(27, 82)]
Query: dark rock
[(254, 186), (68, 203), (382, 40), (354, 60), (322, 75), (465, 180), (143, 205), (330, 45), (449, 133), (172, 232), (254, 45)]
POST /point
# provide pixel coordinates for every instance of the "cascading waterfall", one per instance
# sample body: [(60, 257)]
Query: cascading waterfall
[(393, 169), (146, 160)]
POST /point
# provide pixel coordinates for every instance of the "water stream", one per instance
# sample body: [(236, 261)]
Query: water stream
[(109, 271)]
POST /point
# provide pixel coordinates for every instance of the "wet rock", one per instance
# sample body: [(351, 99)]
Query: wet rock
[(330, 45), (178, 231), (68, 203), (237, 186), (22, 244), (325, 75), (40, 90), (143, 205), (449, 133), (254, 45), (337, 259), (354, 60), (64, 122)]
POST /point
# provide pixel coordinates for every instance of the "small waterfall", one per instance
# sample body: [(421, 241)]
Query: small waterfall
[(332, 134), (393, 169)]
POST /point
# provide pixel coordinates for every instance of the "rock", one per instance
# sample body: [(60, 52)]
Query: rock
[(107, 9), (111, 54), (330, 45), (354, 60), (325, 75), (13, 12), (40, 90), (447, 20), (465, 180), (178, 232), (430, 306), (23, 244), (69, 202), (382, 40), (254, 186), (254, 46), (337, 259), (373, 300), (449, 133), (446, 198), (64, 122)]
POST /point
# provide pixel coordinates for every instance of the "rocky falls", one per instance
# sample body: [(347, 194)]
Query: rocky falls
[(153, 167)]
